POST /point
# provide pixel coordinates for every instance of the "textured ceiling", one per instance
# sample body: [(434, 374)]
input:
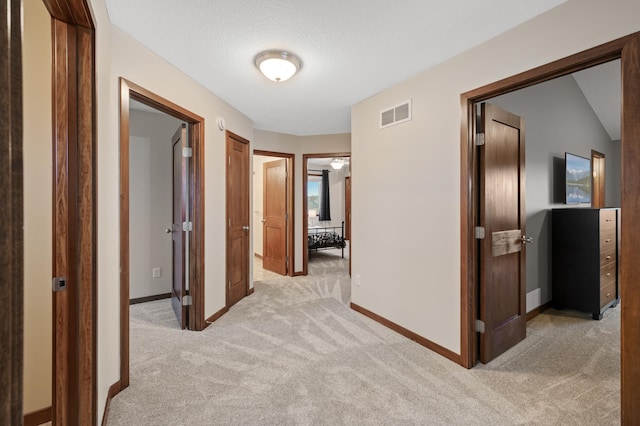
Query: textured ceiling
[(602, 87), (350, 49)]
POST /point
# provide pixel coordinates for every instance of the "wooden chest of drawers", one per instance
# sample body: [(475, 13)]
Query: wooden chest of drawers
[(584, 255)]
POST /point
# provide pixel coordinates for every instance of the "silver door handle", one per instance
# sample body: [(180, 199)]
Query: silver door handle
[(246, 228), (263, 220), (526, 239), (168, 230)]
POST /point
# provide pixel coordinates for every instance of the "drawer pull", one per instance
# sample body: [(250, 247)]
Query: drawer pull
[(608, 257), (608, 294), (608, 274), (608, 240)]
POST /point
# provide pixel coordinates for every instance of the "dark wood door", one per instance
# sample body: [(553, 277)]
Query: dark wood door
[(502, 214), (237, 218), (598, 177), (274, 222), (180, 197), (347, 208)]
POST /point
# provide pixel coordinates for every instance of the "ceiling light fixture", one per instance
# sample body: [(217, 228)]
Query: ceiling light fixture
[(277, 65), (337, 163)]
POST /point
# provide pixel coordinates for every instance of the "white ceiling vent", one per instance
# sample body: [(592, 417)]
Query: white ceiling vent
[(395, 115)]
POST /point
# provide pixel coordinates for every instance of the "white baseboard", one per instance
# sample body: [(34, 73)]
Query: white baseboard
[(533, 299)]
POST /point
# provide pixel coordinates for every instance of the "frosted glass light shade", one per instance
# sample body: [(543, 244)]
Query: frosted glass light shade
[(337, 163), (278, 66)]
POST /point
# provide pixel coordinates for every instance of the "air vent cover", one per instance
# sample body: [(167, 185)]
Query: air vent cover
[(396, 114)]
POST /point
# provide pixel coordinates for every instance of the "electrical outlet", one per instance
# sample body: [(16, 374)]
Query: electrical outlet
[(358, 283), (156, 272)]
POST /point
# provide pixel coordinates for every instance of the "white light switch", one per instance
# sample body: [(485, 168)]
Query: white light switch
[(156, 272)]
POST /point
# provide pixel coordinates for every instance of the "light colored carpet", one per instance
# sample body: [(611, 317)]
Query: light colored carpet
[(293, 353)]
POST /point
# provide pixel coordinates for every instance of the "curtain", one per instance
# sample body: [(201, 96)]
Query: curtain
[(325, 205)]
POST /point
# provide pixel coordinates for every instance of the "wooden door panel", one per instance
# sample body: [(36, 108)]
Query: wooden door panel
[(502, 214), (235, 269), (274, 250), (237, 201)]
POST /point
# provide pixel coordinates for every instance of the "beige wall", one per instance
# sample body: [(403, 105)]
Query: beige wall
[(299, 145), (120, 56), (407, 177), (37, 206)]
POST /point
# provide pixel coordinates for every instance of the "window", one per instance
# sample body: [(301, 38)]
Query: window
[(314, 188)]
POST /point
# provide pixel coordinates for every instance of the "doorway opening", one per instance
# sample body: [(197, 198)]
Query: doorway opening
[(562, 116), (628, 50), (193, 176), (273, 218), (324, 208)]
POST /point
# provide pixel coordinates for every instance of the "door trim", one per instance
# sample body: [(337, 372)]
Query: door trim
[(305, 206), (195, 123), (12, 214), (74, 395), (627, 49), (290, 203)]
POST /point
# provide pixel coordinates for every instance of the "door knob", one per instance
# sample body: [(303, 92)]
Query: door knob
[(168, 230), (246, 228), (264, 220), (526, 239)]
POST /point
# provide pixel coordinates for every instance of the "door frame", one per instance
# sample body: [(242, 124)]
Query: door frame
[(305, 205), (74, 394), (12, 214), (628, 50), (195, 124), (290, 203)]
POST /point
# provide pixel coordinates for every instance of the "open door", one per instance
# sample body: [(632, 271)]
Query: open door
[(180, 217), (274, 222), (501, 231)]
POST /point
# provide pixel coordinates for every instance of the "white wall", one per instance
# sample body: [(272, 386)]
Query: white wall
[(558, 119), (118, 55), (150, 202), (36, 54), (415, 167), (299, 145), (258, 207)]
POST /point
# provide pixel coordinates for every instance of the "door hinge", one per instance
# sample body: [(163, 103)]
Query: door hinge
[(59, 284), (286, 216), (186, 300), (479, 139), (187, 226), (229, 284), (187, 152), (480, 326), (229, 160), (229, 222), (479, 232)]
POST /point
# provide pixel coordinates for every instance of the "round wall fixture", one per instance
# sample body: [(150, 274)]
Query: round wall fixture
[(221, 124)]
